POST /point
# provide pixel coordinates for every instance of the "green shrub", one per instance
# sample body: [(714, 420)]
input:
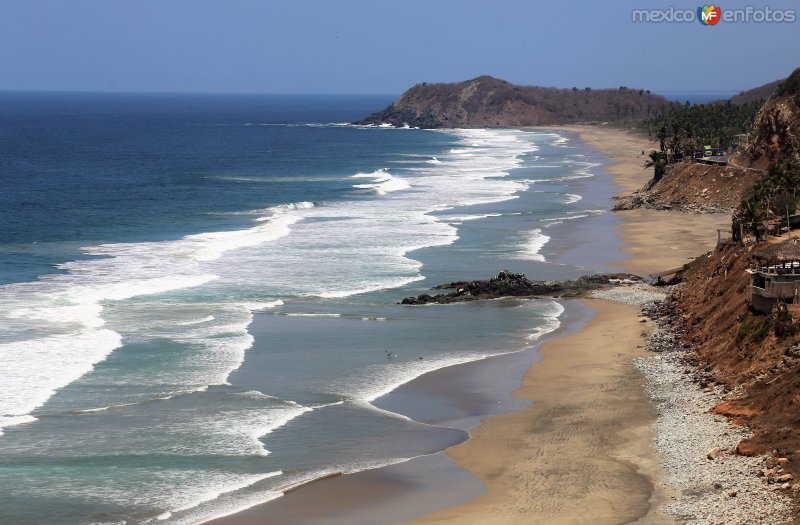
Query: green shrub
[(754, 327)]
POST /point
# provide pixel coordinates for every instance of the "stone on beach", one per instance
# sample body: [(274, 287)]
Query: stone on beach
[(688, 433)]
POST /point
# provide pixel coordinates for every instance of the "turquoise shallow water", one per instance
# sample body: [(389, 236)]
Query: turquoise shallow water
[(200, 293)]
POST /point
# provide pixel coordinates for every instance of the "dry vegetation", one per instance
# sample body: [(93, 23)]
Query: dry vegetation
[(489, 102), (693, 188)]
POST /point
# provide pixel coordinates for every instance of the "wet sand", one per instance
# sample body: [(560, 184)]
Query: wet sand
[(581, 452), (369, 497), (655, 240), (458, 397)]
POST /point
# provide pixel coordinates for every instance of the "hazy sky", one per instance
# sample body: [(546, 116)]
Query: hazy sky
[(379, 46)]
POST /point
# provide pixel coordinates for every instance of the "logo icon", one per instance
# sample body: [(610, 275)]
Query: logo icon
[(709, 15)]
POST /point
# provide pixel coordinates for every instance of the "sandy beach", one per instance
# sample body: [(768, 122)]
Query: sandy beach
[(655, 240), (582, 451)]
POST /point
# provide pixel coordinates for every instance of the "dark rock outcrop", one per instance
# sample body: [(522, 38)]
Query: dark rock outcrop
[(487, 102), (509, 284)]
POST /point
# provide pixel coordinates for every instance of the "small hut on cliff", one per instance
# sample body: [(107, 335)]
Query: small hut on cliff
[(775, 275)]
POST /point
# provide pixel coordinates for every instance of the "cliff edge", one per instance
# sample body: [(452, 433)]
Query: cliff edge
[(776, 131)]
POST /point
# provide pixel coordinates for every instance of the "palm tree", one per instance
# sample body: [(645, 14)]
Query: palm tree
[(658, 162), (750, 214), (661, 135)]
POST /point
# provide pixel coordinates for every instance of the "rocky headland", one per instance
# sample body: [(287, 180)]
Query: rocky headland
[(488, 102)]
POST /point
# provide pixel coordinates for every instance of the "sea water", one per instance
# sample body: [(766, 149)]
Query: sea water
[(199, 292)]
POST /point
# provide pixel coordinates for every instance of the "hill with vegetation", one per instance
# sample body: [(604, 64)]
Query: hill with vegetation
[(489, 102), (756, 94)]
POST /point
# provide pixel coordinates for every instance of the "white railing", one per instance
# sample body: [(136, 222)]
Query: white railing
[(793, 269)]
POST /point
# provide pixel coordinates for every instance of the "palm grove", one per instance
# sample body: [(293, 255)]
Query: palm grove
[(682, 129)]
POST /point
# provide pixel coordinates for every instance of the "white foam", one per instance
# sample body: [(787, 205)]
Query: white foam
[(211, 495), (196, 503), (378, 380), (294, 250), (254, 266), (33, 371), (550, 323), (572, 198), (383, 182), (205, 319), (256, 306), (374, 381), (66, 311), (389, 229), (10, 421), (312, 314), (533, 245), (123, 405), (338, 294), (377, 174), (198, 259), (573, 215), (456, 219)]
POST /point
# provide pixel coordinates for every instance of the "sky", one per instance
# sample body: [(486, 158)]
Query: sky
[(380, 46)]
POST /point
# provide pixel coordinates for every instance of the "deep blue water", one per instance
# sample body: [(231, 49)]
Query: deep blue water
[(200, 292), (89, 168)]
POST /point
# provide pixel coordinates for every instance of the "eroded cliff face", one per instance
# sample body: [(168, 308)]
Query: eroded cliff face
[(776, 130), (692, 187), (489, 102), (756, 356)]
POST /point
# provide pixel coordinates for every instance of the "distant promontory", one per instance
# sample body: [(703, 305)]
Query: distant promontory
[(488, 102)]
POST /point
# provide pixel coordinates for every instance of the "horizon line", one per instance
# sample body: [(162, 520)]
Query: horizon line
[(280, 93)]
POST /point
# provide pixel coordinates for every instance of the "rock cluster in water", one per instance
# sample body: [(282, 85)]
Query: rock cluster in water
[(510, 284)]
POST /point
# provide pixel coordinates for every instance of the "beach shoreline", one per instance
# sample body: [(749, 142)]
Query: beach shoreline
[(423, 484), (582, 451), (629, 439), (582, 490)]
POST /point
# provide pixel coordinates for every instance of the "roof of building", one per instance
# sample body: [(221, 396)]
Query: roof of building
[(786, 251)]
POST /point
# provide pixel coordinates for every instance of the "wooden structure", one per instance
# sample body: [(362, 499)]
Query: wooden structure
[(775, 275)]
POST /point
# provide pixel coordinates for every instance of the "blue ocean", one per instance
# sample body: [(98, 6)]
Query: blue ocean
[(200, 292)]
